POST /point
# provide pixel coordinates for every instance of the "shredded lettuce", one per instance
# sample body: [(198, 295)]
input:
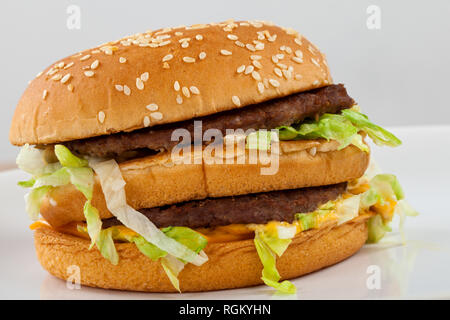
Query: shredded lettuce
[(67, 159), (379, 135), (93, 222), (385, 188), (112, 184), (377, 229), (105, 245), (343, 128), (33, 201), (172, 267), (68, 169), (270, 275), (260, 140)]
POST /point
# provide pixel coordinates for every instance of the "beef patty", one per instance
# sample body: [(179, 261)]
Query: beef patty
[(257, 208), (267, 115)]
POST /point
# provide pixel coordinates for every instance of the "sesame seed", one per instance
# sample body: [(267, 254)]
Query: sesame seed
[(144, 76), (259, 46), (168, 57), (70, 87), (194, 90), (249, 69), (226, 52), (202, 55), (56, 77), (176, 86), (39, 74), (274, 83), (85, 57), (139, 84), (44, 94), (179, 99), (199, 37), (186, 92), (278, 72), (60, 65), (282, 66), (260, 87), (122, 60), (126, 90), (236, 101), (298, 76), (256, 76), (298, 41), (188, 59), (164, 43), (66, 78), (299, 53), (311, 49), (316, 82), (232, 37), (315, 62), (257, 64), (282, 48), (297, 59), (178, 33), (185, 44), (152, 107), (166, 65), (272, 38), (119, 87), (101, 116), (95, 64), (89, 73), (240, 69), (288, 50), (280, 56), (275, 59), (239, 44), (146, 121), (287, 74), (250, 47), (255, 57), (156, 115)]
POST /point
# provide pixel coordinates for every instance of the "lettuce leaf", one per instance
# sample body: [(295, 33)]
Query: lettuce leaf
[(342, 128), (172, 267), (260, 140), (33, 201), (270, 275), (377, 229), (379, 135), (112, 184), (93, 222), (148, 249), (105, 245), (67, 159)]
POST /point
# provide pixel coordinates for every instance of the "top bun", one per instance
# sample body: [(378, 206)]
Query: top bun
[(165, 76)]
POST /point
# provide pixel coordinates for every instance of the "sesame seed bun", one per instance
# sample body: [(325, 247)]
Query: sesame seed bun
[(156, 180), (309, 251), (165, 76)]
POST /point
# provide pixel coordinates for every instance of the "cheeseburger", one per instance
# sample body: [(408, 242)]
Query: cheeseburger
[(199, 158)]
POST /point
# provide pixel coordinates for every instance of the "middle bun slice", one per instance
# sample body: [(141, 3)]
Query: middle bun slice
[(158, 180)]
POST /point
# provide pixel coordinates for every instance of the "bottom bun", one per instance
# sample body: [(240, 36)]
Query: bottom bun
[(231, 264)]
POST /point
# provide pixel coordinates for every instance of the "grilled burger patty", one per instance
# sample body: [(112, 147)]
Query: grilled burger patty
[(257, 208), (267, 115)]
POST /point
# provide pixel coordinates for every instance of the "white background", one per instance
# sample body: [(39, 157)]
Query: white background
[(398, 74)]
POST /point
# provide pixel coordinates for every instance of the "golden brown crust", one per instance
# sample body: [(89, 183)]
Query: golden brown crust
[(230, 265), (156, 181), (49, 112)]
